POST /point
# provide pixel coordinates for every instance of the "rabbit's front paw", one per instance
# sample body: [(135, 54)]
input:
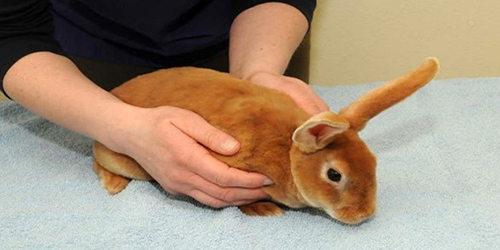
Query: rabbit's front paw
[(261, 209)]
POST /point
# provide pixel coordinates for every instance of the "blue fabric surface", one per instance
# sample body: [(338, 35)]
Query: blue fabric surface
[(438, 174)]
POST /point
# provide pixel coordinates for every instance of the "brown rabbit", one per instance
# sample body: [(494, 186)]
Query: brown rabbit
[(317, 161)]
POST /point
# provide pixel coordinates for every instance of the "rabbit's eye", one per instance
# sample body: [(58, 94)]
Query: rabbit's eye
[(334, 175)]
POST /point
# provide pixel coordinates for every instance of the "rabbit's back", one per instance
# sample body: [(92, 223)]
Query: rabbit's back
[(261, 119)]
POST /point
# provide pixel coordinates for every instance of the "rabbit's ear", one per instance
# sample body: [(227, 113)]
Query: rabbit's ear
[(318, 131), (383, 97)]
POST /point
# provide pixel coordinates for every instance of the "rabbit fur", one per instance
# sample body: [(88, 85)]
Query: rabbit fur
[(298, 151)]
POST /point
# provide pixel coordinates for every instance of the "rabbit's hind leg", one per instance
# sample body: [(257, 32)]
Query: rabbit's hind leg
[(113, 183)]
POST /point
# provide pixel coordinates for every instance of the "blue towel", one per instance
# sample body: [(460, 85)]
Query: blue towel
[(438, 174)]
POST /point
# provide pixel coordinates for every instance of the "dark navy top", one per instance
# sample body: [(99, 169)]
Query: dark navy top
[(156, 33)]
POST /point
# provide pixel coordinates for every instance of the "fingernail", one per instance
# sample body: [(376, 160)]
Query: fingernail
[(268, 182), (228, 145)]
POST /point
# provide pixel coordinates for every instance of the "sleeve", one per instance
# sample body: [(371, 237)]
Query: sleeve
[(25, 27), (305, 6)]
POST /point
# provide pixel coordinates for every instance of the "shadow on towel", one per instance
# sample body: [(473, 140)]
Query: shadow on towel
[(402, 134), (41, 128)]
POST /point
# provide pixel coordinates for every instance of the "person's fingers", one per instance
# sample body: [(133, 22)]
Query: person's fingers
[(207, 199), (227, 194), (302, 94), (311, 95), (197, 160), (322, 105), (209, 193), (304, 102), (214, 202), (219, 173), (200, 130)]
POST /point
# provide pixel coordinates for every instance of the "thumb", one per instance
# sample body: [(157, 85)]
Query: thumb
[(200, 130)]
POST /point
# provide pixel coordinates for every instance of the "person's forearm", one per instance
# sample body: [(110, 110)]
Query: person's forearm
[(52, 86), (264, 38)]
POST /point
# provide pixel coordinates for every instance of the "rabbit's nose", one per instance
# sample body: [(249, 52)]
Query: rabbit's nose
[(354, 215)]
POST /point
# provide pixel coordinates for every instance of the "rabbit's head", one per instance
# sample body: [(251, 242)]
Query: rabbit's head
[(332, 167)]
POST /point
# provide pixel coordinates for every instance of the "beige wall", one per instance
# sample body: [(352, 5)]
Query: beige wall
[(365, 40)]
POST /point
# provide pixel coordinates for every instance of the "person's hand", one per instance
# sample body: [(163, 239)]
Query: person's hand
[(300, 92), (166, 144)]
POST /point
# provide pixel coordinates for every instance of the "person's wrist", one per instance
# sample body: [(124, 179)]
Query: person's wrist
[(259, 73), (262, 77), (248, 71), (123, 128)]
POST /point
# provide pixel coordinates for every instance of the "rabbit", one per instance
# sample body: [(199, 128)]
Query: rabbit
[(314, 160)]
